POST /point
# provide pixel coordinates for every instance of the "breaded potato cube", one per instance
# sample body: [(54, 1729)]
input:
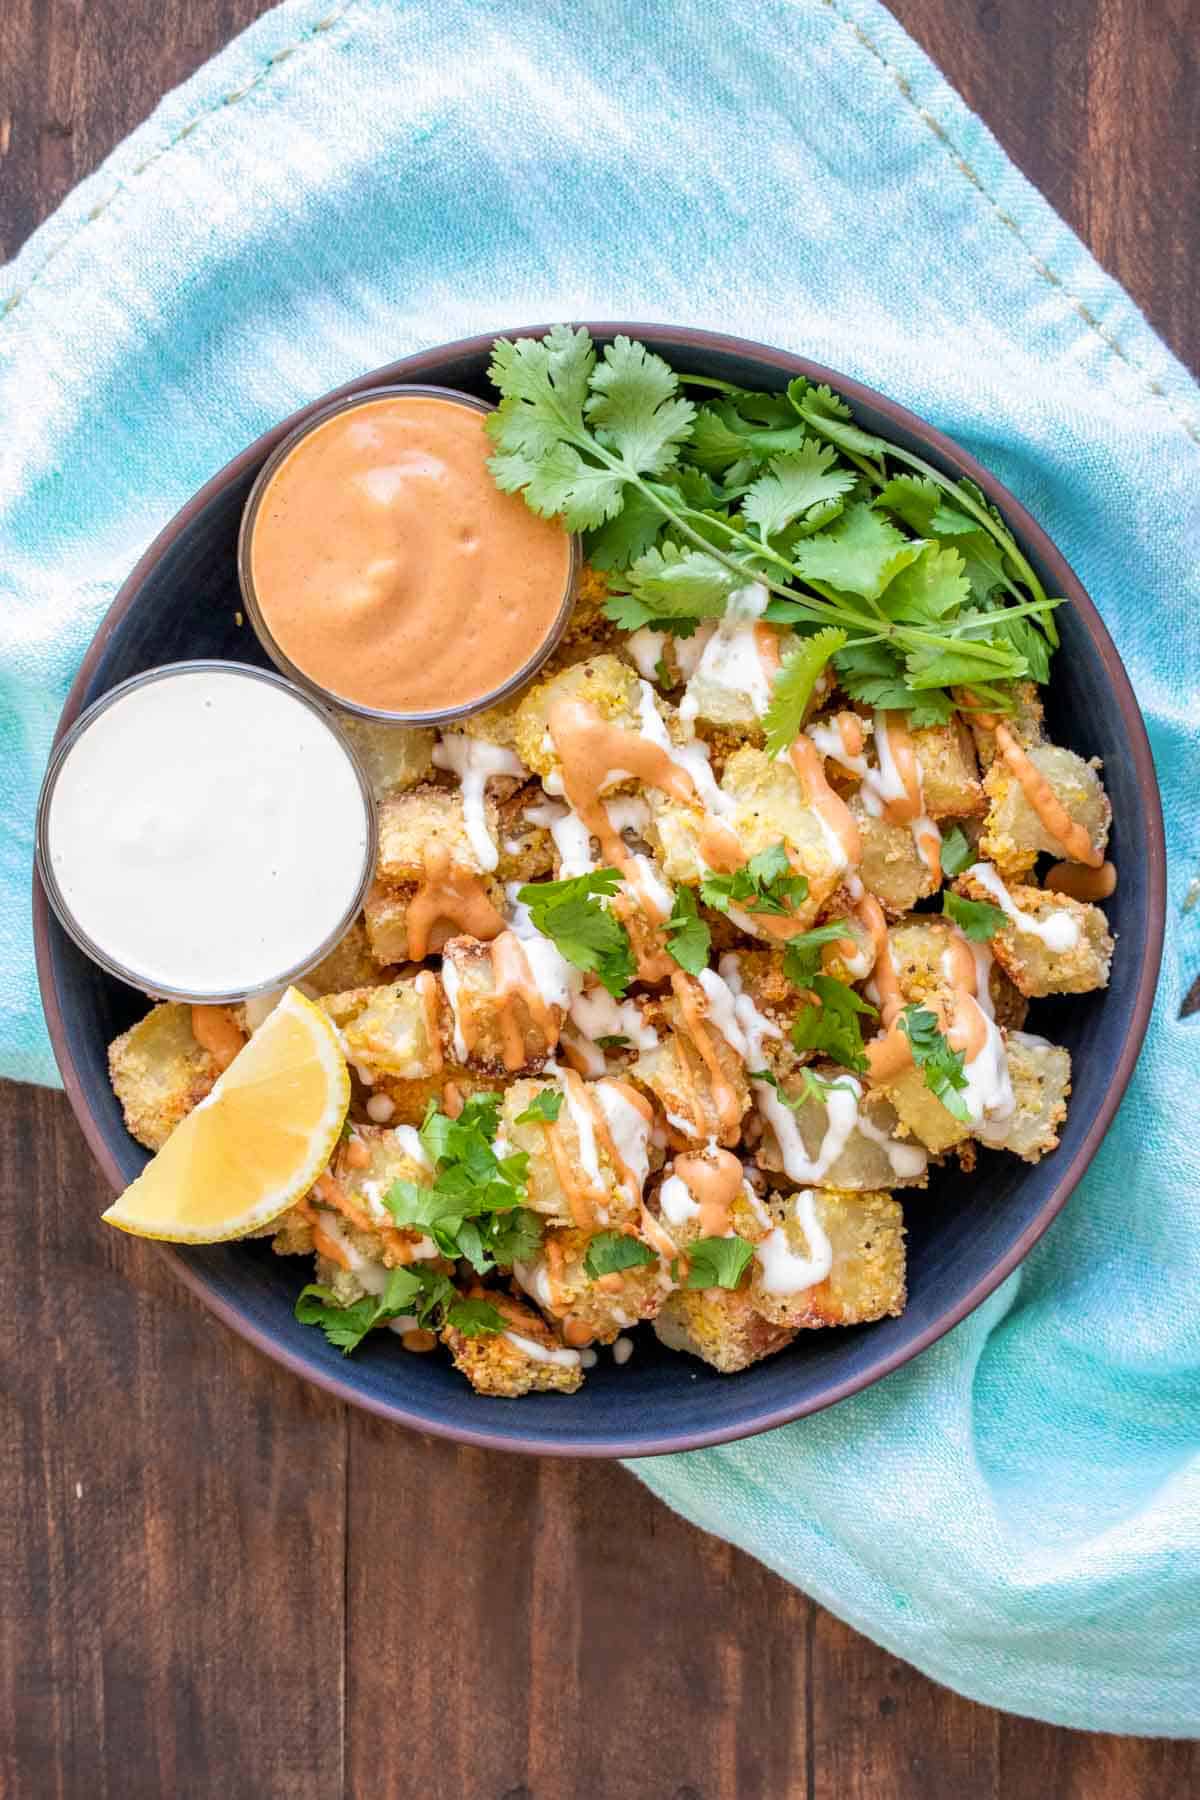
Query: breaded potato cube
[(409, 1099), (1009, 1005), (1040, 1073), (367, 1163), (526, 1357), (159, 1073), (892, 868), (1013, 834), (922, 1114), (487, 1032), (526, 850), (385, 918), (392, 756), (720, 1326), (679, 1077), (1029, 962), (865, 1232), (385, 1031), (292, 1234), (1025, 723), (769, 807), (558, 1281), (589, 629), (917, 948), (872, 1155), (604, 682), (410, 822), (949, 770), (571, 1178), (350, 964), (679, 1214)]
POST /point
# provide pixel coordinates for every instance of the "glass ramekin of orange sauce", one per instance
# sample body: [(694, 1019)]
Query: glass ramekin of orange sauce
[(385, 571)]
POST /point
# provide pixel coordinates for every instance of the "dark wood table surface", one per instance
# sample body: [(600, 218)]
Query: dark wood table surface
[(216, 1581)]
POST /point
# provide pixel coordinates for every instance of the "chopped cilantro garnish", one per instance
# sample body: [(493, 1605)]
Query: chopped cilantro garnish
[(543, 1109), (585, 932), (979, 919), (429, 1297), (832, 1027), (765, 884), (688, 937), (611, 1251), (794, 685), (957, 853), (612, 1042), (802, 954), (474, 1208), (717, 1261), (474, 1318), (941, 1065)]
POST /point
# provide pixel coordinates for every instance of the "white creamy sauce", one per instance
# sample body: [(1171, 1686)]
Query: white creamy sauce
[(694, 758), (722, 1010), (372, 1277), (208, 833), (908, 1159), (598, 1015), (1059, 932), (584, 1124), (628, 813), (380, 1108), (630, 1132), (450, 986), (885, 783), (571, 837), (988, 1095), (405, 1323), (654, 726), (754, 1025), (841, 1108), (409, 1141), (475, 761), (591, 1059), (646, 648), (535, 1279), (783, 1270), (730, 659), (828, 739), (677, 1201), (562, 1359), (622, 1350), (648, 885), (924, 833)]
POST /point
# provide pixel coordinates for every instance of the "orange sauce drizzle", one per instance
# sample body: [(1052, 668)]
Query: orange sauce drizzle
[(577, 1333), (323, 1245), (766, 643), (427, 991), (590, 748), (334, 1194), (716, 1182), (907, 806), (694, 1006), (355, 1155), (809, 765), (513, 983), (449, 896), (452, 1100), (1082, 883), (418, 1340), (1041, 796), (851, 733), (215, 1031)]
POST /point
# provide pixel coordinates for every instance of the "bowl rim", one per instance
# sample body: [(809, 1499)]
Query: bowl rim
[(424, 363)]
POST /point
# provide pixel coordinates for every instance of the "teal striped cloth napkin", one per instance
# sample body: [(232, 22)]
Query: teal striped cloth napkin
[(1018, 1512)]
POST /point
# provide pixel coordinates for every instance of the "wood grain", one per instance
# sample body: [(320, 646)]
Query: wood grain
[(220, 1583)]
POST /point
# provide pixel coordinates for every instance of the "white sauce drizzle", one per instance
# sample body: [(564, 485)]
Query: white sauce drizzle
[(722, 1010), (571, 837), (562, 1359), (622, 1350), (450, 984), (907, 1159), (584, 1125), (988, 1095), (841, 1109), (1059, 932), (677, 1201), (475, 761), (409, 1141), (754, 1025), (784, 1271), (730, 659), (630, 1131), (380, 1108), (597, 1015), (372, 1277)]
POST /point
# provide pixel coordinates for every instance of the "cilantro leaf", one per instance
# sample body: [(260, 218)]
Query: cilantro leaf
[(830, 417), (635, 409), (346, 1326), (803, 486), (962, 664), (765, 884), (671, 583), (941, 1065), (957, 853), (832, 1028), (630, 534), (859, 554), (688, 937), (717, 1262), (474, 1318), (543, 1109), (611, 1251), (469, 1207), (978, 919), (929, 590), (802, 954), (613, 1042), (544, 383), (794, 683), (586, 933), (516, 1236)]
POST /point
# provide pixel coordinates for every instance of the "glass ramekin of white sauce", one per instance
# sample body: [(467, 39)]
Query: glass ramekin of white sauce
[(205, 832)]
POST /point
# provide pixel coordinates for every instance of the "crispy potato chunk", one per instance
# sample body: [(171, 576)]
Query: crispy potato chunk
[(385, 917), (1025, 723), (526, 850), (871, 1156), (917, 948), (410, 822), (1013, 835), (393, 756), (410, 1098), (1029, 962), (720, 1326), (365, 1166), (159, 1073), (949, 771), (487, 1034), (922, 1114), (384, 1030), (605, 682), (350, 964), (292, 1234), (679, 1078), (865, 1232), (525, 1358), (892, 867), (597, 1196), (1041, 1078), (558, 1281)]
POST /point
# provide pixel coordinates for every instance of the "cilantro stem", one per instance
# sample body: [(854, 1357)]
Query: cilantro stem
[(710, 381)]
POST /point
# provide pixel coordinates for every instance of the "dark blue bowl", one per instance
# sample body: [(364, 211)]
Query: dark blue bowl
[(182, 600)]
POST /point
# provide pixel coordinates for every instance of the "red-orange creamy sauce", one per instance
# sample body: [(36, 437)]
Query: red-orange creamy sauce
[(391, 570)]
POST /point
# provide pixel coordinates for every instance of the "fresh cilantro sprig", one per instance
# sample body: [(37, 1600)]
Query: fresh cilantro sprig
[(977, 919), (941, 1065), (802, 953), (585, 932), (717, 1262), (848, 531), (832, 1027), (543, 1109), (798, 675), (956, 852), (765, 884), (425, 1295), (609, 1252), (474, 1207), (688, 937)]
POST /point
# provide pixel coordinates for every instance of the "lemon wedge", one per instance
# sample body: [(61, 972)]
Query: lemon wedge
[(256, 1144)]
